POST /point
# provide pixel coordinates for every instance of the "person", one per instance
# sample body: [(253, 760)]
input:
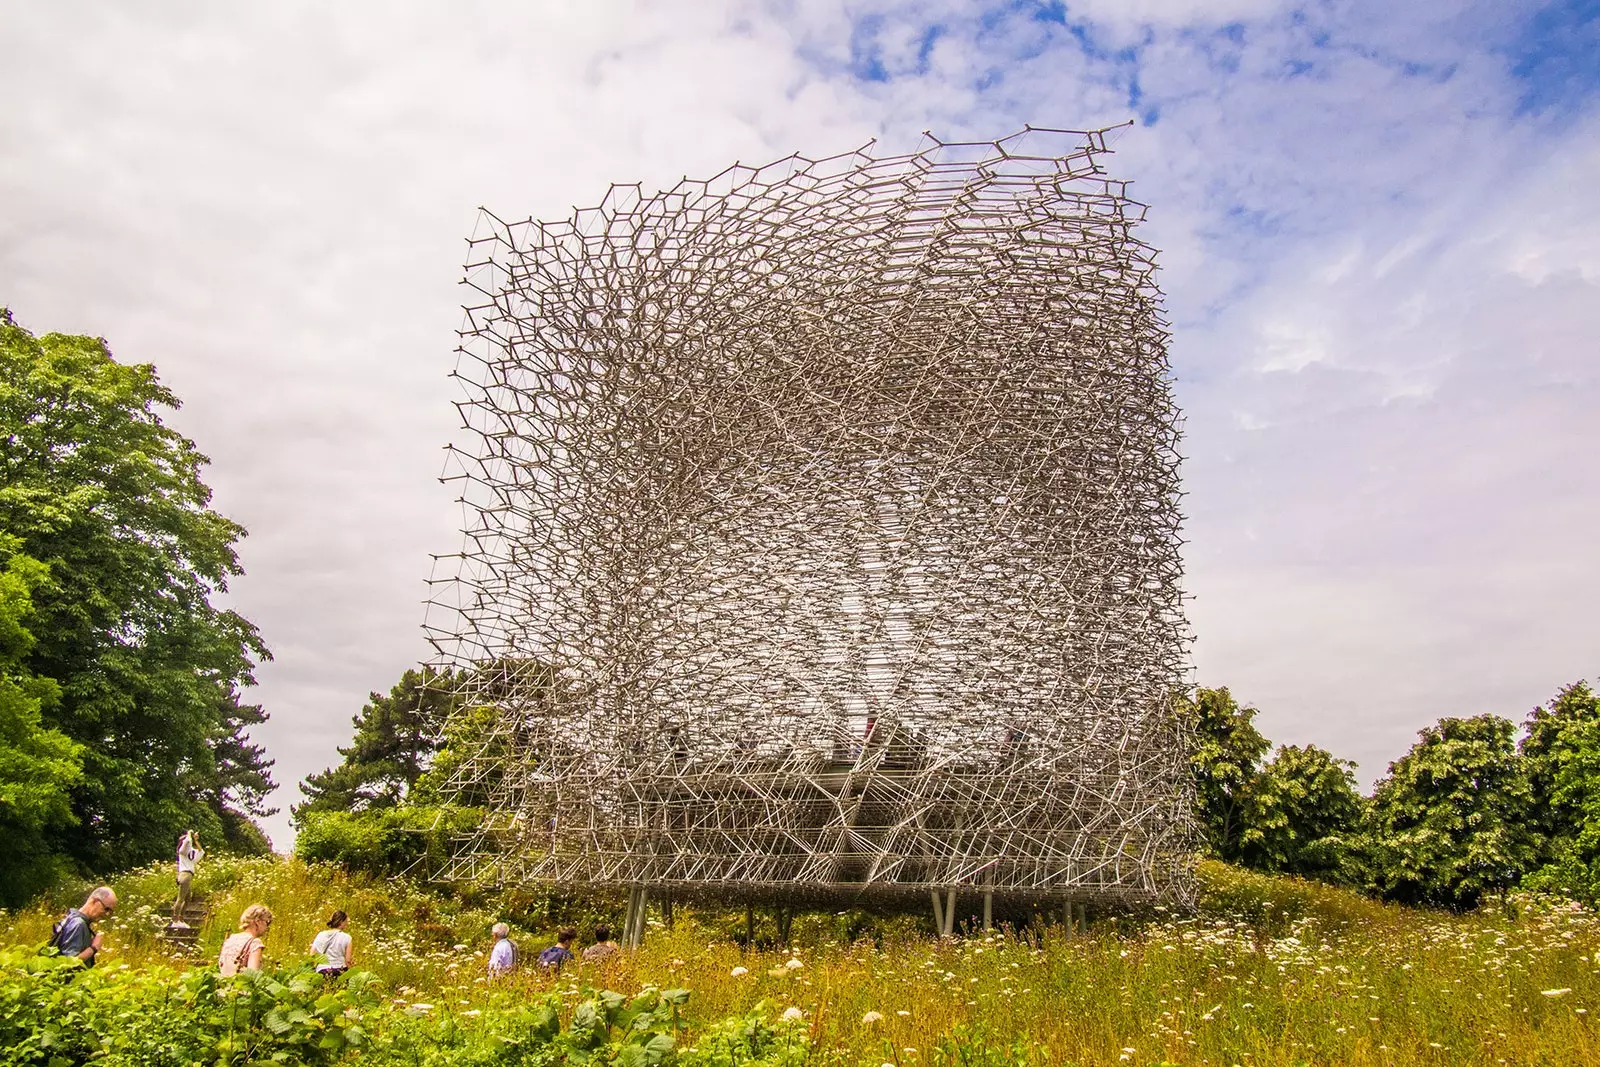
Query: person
[(603, 948), (552, 958), (74, 935), (189, 855), (1011, 747), (242, 951), (503, 957), (334, 946)]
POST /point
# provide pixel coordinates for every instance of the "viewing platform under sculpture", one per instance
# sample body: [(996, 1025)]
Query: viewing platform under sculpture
[(822, 537)]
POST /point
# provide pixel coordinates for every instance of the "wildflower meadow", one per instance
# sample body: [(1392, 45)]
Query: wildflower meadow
[(1267, 971)]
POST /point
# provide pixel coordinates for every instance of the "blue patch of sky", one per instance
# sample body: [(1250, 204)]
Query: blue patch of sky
[(1555, 58), (1058, 26), (1254, 221), (866, 54), (866, 49)]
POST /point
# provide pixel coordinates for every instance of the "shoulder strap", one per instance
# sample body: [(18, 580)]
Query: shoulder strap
[(58, 932)]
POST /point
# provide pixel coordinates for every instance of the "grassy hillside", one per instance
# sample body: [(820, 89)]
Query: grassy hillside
[(1271, 971)]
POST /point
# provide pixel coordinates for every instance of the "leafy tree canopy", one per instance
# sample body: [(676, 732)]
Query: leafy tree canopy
[(1302, 815), (1451, 821), (1227, 754), (1562, 754), (98, 489), (1557, 734), (38, 765)]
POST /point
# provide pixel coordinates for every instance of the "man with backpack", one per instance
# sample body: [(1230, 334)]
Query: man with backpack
[(74, 935), (559, 953)]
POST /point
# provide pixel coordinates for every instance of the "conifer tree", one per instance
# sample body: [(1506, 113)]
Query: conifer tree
[(396, 738)]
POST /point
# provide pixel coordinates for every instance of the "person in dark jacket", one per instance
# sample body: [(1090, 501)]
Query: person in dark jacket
[(75, 936), (552, 958)]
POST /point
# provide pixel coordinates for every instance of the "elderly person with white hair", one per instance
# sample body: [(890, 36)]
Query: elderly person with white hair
[(503, 957)]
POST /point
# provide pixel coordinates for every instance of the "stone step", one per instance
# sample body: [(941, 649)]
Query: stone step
[(183, 938)]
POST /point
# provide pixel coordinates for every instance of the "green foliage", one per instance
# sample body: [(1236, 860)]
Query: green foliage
[(979, 1046), (95, 486), (1301, 815), (55, 1013), (1227, 754), (753, 1039), (1451, 821), (1562, 753), (38, 765), (396, 737), (1274, 905), (386, 841)]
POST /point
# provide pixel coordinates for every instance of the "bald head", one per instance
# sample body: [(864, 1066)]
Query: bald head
[(100, 902)]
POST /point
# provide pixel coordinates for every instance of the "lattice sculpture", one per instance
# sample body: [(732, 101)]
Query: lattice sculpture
[(822, 536)]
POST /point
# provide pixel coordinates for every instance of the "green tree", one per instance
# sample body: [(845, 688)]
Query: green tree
[(38, 765), (94, 485), (1226, 758), (1302, 815), (1562, 755), (1451, 821), (241, 777), (396, 737), (1556, 732), (476, 746)]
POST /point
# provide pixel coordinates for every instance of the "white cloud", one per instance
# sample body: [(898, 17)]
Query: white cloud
[(1382, 282)]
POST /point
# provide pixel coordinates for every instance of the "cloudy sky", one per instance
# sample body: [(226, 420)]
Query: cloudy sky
[(1380, 227)]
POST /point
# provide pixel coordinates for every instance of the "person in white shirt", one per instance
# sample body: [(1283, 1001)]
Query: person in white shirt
[(334, 946), (189, 854), (503, 957)]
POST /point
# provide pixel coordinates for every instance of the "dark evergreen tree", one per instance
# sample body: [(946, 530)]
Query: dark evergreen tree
[(241, 778), (396, 738)]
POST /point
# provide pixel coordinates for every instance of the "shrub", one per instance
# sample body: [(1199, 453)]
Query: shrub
[(56, 1013), (749, 1040), (384, 842)]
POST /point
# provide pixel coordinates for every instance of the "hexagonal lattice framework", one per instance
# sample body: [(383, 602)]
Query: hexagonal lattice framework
[(822, 535)]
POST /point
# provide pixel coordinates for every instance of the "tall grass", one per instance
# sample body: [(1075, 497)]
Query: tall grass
[(1270, 971)]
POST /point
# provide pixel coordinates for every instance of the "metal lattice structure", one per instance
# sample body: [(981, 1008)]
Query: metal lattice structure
[(822, 535)]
